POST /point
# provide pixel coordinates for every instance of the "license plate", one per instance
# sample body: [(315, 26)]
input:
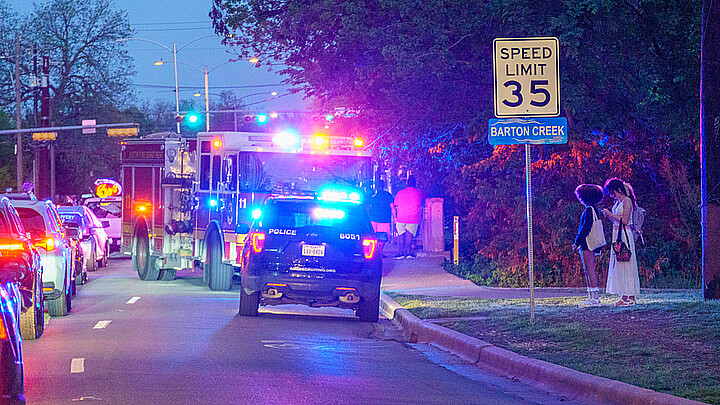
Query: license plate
[(313, 250)]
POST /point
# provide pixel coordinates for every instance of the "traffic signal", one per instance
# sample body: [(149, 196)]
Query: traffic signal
[(257, 118), (191, 119)]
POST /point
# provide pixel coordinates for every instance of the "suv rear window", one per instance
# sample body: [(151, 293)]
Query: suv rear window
[(290, 214), (31, 219), (4, 223)]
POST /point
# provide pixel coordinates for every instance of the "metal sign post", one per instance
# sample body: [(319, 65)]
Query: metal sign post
[(456, 240), (527, 84), (528, 198)]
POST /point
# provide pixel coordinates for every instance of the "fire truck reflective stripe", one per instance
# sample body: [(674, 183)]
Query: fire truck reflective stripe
[(233, 251), (227, 250)]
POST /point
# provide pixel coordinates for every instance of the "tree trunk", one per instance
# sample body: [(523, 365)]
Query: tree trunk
[(710, 146)]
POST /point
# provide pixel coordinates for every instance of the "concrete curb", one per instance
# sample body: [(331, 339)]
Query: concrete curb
[(505, 362)]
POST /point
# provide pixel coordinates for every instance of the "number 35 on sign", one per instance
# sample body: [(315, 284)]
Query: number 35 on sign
[(527, 78)]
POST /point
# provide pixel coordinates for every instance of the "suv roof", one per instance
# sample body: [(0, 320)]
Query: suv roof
[(19, 196)]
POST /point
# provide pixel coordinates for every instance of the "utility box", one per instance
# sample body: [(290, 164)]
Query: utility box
[(433, 239)]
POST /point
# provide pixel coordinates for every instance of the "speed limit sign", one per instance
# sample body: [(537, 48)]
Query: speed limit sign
[(527, 78)]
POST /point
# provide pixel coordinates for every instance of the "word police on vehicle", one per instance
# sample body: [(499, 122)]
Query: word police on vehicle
[(526, 77)]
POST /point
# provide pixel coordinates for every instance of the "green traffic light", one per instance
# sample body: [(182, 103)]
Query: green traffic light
[(192, 118)]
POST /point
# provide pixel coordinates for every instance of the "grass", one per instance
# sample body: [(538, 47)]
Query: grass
[(668, 343)]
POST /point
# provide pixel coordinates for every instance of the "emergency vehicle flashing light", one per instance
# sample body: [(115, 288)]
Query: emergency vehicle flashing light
[(213, 202), (217, 144), (328, 213), (340, 195), (262, 118), (286, 139), (142, 207), (359, 143), (256, 213), (320, 141)]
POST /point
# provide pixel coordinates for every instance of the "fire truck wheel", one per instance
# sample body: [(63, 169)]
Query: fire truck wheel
[(219, 276), (249, 303), (142, 262), (167, 275)]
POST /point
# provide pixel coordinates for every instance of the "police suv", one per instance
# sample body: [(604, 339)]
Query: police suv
[(313, 250)]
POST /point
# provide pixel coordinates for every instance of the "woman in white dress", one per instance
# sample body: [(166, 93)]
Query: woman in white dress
[(623, 278)]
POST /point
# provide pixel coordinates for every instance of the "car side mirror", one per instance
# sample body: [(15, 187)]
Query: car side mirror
[(105, 224), (381, 236), (242, 228)]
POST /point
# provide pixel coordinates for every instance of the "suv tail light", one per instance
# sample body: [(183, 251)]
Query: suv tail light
[(47, 244), (258, 241), (3, 331), (369, 246)]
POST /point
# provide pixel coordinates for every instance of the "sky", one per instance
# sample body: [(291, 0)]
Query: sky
[(181, 22)]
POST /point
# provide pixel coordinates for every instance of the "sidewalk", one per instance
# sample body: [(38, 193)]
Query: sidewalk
[(425, 275)]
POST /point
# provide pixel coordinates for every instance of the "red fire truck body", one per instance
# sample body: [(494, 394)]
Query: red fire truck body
[(185, 198)]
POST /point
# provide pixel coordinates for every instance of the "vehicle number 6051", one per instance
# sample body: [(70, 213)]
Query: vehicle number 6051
[(535, 89)]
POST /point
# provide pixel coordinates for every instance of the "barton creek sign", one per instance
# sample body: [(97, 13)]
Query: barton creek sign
[(527, 81), (533, 131)]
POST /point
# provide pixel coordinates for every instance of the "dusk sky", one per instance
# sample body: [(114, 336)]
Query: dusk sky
[(182, 21)]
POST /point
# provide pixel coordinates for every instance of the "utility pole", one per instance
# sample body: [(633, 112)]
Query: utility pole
[(18, 113), (710, 147)]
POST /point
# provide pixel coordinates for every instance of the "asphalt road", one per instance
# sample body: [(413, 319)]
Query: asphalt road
[(133, 342)]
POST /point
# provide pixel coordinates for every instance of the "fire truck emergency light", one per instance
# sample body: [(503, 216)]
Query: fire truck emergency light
[(217, 144), (320, 141), (359, 143), (286, 139), (256, 213), (327, 213)]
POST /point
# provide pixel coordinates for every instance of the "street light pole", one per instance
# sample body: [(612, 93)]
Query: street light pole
[(177, 93), (207, 102)]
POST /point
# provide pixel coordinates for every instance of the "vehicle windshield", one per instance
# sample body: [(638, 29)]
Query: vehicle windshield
[(105, 209), (276, 172), (31, 219), (293, 214)]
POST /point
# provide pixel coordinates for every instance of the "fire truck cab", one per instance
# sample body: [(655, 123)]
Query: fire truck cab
[(188, 200)]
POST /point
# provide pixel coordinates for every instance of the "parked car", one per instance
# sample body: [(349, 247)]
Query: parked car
[(94, 241), (43, 224), (20, 262), (109, 209), (12, 373), (74, 234)]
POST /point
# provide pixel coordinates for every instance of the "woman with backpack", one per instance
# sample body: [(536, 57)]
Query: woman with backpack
[(623, 278), (590, 238)]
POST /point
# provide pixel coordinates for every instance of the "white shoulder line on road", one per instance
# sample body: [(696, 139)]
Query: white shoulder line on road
[(101, 324), (77, 365), (132, 300)]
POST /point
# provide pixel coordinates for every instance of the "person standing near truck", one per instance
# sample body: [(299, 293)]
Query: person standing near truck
[(407, 209)]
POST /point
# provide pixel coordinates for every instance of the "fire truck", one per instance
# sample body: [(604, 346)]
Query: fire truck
[(187, 200)]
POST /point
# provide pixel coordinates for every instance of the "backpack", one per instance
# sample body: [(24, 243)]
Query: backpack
[(637, 218)]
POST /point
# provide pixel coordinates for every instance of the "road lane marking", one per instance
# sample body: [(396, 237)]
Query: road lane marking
[(77, 365), (132, 300), (101, 324)]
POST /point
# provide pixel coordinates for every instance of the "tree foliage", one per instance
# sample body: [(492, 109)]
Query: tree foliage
[(421, 71)]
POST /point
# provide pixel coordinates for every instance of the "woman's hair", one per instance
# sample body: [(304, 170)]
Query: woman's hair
[(589, 194), (620, 186)]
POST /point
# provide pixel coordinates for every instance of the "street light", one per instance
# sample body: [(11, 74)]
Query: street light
[(207, 95), (174, 52)]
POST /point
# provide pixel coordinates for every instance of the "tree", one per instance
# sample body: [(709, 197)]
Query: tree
[(421, 73), (89, 79)]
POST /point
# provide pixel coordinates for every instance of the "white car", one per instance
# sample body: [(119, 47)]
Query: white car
[(46, 231), (93, 238), (109, 209)]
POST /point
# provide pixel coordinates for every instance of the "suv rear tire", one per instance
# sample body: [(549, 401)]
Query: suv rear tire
[(32, 321), (59, 305), (249, 303), (369, 311)]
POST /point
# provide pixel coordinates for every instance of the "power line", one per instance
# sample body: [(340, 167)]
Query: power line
[(160, 86), (173, 23), (175, 29)]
